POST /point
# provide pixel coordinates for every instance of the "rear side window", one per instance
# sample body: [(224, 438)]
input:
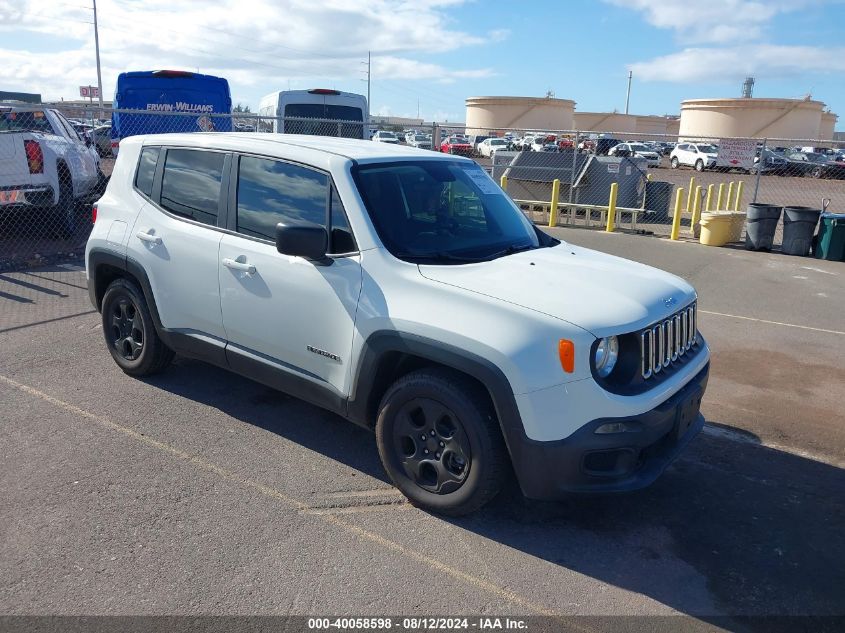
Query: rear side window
[(191, 184), (271, 192), (146, 170)]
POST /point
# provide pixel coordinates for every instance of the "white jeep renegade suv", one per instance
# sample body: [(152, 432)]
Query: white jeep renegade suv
[(404, 291)]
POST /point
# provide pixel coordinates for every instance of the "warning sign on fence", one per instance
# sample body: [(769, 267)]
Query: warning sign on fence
[(738, 153)]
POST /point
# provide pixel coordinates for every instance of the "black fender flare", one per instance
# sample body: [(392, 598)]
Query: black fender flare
[(383, 342)]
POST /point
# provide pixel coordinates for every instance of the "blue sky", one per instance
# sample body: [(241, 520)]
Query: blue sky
[(432, 54)]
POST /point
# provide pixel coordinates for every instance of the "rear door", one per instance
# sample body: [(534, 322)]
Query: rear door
[(176, 238), (82, 160)]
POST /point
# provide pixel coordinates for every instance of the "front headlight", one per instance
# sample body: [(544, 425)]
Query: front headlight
[(606, 355)]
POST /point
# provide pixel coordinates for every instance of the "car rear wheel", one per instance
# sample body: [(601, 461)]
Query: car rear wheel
[(699, 165), (64, 212), (674, 163), (816, 173), (440, 443), (130, 333)]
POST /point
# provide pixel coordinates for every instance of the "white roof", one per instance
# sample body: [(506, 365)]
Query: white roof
[(290, 145)]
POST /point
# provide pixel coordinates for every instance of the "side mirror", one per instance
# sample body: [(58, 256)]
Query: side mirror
[(310, 241)]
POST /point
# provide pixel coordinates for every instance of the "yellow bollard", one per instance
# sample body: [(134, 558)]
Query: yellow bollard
[(708, 204), (611, 208), (676, 221), (720, 201), (503, 183), (738, 202), (696, 210), (729, 202), (555, 200), (689, 194)]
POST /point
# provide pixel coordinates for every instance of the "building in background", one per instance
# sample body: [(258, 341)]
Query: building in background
[(756, 118), (25, 97), (488, 114)]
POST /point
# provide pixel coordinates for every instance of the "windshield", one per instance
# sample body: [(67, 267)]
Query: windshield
[(498, 141), (707, 149), (636, 147), (29, 121), (420, 137), (387, 135), (442, 211)]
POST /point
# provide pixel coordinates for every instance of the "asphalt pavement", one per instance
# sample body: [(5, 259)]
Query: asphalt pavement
[(200, 492)]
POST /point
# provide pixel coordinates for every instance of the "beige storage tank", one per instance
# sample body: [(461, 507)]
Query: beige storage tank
[(609, 122), (828, 124), (751, 118), (488, 114)]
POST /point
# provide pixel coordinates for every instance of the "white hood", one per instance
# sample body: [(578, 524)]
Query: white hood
[(600, 293)]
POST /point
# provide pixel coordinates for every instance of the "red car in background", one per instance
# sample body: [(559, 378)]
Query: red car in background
[(564, 142), (456, 145)]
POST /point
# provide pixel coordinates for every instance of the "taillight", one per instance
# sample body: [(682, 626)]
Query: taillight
[(94, 214), (34, 156)]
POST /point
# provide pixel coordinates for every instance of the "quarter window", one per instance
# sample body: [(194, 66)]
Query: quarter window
[(271, 192), (191, 184), (342, 240), (146, 170)]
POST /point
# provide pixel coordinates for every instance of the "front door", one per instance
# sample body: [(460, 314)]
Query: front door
[(287, 313)]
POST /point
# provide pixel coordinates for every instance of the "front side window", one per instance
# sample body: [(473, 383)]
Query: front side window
[(451, 212), (191, 184), (271, 192)]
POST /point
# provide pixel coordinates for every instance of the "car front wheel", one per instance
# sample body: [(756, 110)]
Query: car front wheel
[(674, 163), (699, 165), (440, 442)]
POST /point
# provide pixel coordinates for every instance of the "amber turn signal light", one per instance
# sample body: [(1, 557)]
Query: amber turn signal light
[(566, 351)]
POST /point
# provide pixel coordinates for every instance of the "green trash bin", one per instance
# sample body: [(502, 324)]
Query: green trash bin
[(830, 242)]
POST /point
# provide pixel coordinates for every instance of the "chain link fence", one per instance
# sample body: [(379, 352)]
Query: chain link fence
[(56, 161)]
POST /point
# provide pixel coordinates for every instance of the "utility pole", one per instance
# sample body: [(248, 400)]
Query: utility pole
[(368, 63), (628, 94), (97, 49)]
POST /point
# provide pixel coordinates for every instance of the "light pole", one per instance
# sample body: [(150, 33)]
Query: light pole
[(628, 94), (97, 49)]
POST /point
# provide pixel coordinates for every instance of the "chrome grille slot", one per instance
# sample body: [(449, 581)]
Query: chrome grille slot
[(662, 344)]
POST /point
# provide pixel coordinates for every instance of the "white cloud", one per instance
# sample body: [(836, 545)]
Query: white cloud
[(732, 63), (262, 44), (711, 21)]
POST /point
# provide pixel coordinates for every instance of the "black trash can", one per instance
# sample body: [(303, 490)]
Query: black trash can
[(799, 226), (658, 197), (760, 228)]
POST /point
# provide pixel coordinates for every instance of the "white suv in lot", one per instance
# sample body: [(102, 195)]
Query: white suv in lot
[(699, 155), (44, 164), (404, 291)]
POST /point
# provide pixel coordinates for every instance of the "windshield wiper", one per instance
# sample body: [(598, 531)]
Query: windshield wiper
[(510, 250), (438, 256)]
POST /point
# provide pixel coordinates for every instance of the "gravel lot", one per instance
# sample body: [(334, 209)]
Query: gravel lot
[(198, 492)]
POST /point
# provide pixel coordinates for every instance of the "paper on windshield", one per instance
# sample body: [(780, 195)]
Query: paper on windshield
[(482, 180)]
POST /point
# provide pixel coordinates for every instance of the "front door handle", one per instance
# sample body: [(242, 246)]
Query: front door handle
[(234, 264), (148, 237)]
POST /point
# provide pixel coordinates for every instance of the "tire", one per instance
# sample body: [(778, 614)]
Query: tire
[(64, 211), (816, 173), (453, 414), (699, 165), (674, 163), (130, 333)]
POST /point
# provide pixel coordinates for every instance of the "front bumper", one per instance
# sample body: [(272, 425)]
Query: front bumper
[(26, 196), (618, 462)]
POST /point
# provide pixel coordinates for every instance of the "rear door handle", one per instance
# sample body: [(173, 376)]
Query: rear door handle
[(249, 269), (148, 237)]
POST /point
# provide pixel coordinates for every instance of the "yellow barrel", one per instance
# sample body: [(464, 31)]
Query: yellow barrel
[(715, 228)]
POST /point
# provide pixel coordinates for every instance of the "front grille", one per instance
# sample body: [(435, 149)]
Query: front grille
[(662, 344)]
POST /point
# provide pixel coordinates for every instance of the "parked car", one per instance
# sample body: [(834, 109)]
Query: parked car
[(456, 145), (564, 142), (476, 139), (324, 297), (604, 144), (420, 141), (816, 165), (490, 146), (100, 139), (544, 143), (699, 155), (768, 162), (383, 136), (45, 164), (636, 150), (587, 145)]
